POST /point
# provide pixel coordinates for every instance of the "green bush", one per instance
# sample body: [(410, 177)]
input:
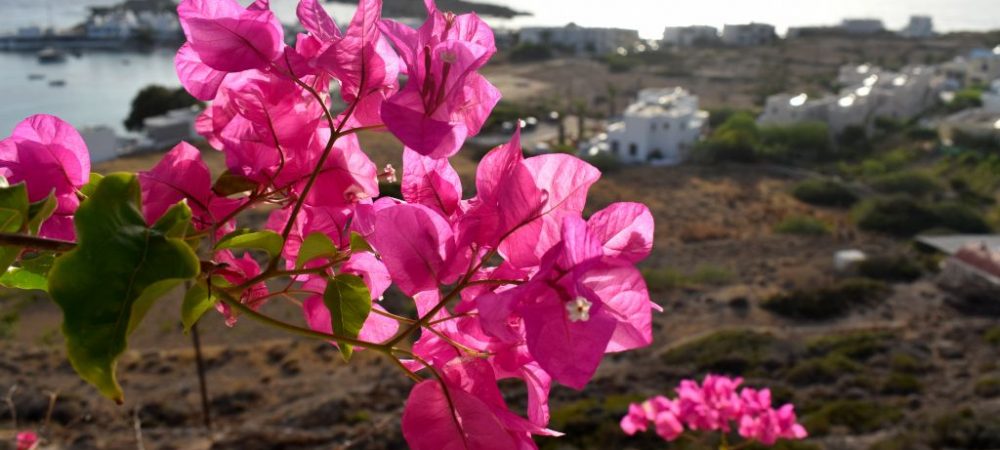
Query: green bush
[(965, 99), (961, 218), (826, 369), (966, 430), (827, 302), (605, 162), (735, 140), (666, 278), (890, 268), (858, 346), (707, 274), (824, 193), (802, 225), (898, 216), (905, 363), (902, 384), (663, 279), (808, 141), (992, 336), (529, 52), (859, 416), (155, 100), (988, 387), (731, 352), (911, 183)]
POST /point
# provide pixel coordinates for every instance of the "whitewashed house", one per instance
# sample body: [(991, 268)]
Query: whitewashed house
[(169, 129), (661, 127), (991, 98), (869, 93), (919, 27), (111, 24), (751, 34), (784, 109), (102, 143), (980, 66), (691, 35), (598, 41), (862, 26)]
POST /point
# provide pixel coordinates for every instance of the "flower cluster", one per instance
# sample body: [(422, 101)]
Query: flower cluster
[(510, 283), (715, 405), (26, 440)]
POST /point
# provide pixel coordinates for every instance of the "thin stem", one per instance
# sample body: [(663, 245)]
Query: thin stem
[(305, 332), (393, 316), (40, 243), (360, 129)]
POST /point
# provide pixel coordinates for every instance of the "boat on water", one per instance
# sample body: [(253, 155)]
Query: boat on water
[(57, 83), (51, 55), (35, 76)]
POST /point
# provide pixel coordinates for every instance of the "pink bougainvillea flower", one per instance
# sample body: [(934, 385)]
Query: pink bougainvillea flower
[(50, 157), (362, 61), (431, 182), (472, 415), (445, 100), (182, 175), (414, 242), (715, 405), (27, 440), (237, 271), (316, 21), (625, 230), (579, 305), (228, 38)]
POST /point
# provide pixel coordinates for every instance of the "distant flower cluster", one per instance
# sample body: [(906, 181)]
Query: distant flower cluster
[(715, 405), (27, 440)]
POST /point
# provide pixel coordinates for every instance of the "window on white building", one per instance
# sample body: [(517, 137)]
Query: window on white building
[(633, 149), (614, 147), (666, 125)]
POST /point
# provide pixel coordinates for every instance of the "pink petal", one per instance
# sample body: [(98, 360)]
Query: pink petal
[(316, 21), (414, 242), (228, 38), (200, 80), (431, 182), (625, 229)]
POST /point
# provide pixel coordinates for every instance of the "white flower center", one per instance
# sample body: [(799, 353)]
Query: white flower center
[(578, 310)]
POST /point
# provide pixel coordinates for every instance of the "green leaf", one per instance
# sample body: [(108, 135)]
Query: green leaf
[(315, 245), (230, 183), (32, 274), (13, 217), (107, 283), (40, 211), (349, 302), (176, 221), (269, 241), (88, 189), (359, 244), (197, 302)]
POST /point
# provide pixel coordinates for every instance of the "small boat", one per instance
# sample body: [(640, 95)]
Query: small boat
[(51, 55), (57, 83), (35, 76)]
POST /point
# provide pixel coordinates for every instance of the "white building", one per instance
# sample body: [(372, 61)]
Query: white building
[(113, 24), (869, 93), (920, 27), (169, 129), (598, 41), (102, 143), (991, 98), (748, 34), (689, 36), (862, 26), (979, 67), (661, 127)]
